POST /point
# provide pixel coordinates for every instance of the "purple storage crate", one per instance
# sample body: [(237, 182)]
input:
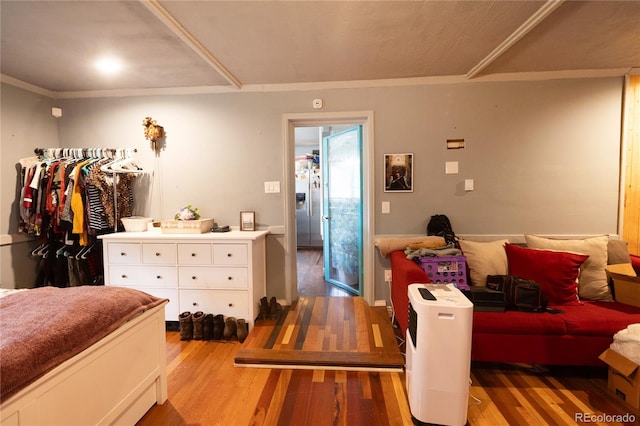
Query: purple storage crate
[(450, 270)]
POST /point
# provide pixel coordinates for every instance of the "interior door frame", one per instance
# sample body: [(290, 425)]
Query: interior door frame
[(289, 123)]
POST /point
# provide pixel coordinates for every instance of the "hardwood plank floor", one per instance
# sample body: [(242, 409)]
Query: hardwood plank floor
[(326, 332), (206, 389), (311, 281)]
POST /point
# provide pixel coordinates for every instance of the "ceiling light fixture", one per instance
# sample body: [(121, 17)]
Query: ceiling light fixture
[(108, 65)]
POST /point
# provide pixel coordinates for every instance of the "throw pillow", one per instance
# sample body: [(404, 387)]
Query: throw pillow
[(592, 282), (555, 271), (484, 258), (618, 252)]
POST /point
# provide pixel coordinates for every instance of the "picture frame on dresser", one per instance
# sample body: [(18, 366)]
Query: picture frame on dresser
[(247, 221)]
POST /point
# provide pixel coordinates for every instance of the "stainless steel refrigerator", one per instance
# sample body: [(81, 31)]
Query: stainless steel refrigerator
[(308, 207)]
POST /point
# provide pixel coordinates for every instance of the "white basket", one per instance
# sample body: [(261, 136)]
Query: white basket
[(198, 226), (136, 223)]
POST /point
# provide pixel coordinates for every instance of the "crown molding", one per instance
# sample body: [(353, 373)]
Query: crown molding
[(330, 85)]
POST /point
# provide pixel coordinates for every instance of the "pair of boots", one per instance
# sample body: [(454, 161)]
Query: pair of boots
[(237, 328), (199, 326), (269, 309)]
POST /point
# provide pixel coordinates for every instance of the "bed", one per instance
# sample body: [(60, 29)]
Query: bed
[(81, 356)]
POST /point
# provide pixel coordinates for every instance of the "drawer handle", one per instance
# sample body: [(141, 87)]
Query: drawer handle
[(193, 255), (230, 278), (124, 276), (194, 277), (159, 277), (157, 254), (195, 304), (231, 305), (229, 255), (123, 254)]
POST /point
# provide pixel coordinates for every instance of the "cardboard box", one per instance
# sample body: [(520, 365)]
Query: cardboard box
[(199, 226), (626, 288), (624, 377)]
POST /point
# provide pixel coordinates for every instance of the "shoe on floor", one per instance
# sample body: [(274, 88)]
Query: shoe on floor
[(242, 330), (218, 327), (198, 325), (230, 328), (186, 326), (207, 328)]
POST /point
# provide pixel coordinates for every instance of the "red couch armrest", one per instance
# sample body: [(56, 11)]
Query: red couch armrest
[(635, 262), (403, 273)]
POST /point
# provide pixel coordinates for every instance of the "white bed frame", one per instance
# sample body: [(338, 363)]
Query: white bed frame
[(114, 381)]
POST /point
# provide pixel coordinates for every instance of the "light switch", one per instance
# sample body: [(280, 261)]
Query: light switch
[(451, 167), (272, 187), (386, 207), (468, 184)]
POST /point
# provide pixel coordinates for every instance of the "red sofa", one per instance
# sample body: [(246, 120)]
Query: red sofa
[(575, 337)]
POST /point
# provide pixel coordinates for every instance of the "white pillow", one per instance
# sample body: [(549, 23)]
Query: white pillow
[(485, 258), (592, 282)]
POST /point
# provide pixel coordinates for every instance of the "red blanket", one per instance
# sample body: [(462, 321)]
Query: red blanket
[(43, 327)]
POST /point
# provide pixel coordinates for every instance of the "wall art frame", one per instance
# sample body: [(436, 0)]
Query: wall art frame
[(398, 172)]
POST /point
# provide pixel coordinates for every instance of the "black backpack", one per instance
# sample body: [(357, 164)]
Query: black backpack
[(520, 294), (440, 225)]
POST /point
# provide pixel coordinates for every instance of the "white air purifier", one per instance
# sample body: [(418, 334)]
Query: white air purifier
[(438, 353)]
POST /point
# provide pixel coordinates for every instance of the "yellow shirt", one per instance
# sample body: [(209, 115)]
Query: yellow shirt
[(77, 207)]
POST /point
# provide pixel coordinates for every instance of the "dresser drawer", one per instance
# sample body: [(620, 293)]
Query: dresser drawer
[(213, 277), (143, 276), (124, 253), (230, 303), (230, 254), (194, 254), (159, 254)]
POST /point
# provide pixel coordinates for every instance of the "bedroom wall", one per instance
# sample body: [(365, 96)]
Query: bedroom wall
[(26, 122), (544, 155)]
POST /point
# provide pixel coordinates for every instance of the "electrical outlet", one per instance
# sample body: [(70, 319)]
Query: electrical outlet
[(387, 275)]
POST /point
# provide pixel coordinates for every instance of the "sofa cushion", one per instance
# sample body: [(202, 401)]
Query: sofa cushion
[(555, 271), (594, 318), (618, 252), (516, 322), (484, 258), (592, 282)]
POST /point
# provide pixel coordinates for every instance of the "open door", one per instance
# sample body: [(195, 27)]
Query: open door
[(342, 212)]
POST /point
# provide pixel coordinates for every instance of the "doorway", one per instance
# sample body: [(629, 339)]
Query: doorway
[(328, 210), (336, 121)]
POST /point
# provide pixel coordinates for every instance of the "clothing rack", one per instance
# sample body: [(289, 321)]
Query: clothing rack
[(111, 153), (51, 153)]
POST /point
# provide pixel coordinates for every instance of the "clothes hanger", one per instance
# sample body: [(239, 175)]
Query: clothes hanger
[(63, 251), (78, 255), (36, 251), (87, 251)]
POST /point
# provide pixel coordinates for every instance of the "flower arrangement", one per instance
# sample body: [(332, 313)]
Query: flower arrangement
[(187, 213)]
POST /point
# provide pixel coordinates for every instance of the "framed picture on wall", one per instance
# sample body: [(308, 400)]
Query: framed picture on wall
[(398, 172), (247, 221)]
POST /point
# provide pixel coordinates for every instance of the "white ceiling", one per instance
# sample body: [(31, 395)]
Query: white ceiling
[(240, 45)]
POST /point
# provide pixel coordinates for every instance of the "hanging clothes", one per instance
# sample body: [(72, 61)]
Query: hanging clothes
[(69, 197)]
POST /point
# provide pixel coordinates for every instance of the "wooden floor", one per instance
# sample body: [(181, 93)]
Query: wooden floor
[(325, 332), (311, 281), (206, 389)]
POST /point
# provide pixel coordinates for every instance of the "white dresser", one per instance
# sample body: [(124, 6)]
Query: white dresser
[(216, 273)]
